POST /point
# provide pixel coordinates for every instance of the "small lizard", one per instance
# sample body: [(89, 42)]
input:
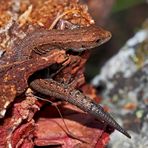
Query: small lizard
[(75, 97), (79, 38)]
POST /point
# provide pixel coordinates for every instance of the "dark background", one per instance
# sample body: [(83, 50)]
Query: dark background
[(122, 18)]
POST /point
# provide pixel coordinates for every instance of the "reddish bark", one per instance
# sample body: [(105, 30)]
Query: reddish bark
[(24, 126)]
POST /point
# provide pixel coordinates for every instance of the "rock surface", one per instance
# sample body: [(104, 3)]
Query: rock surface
[(124, 79)]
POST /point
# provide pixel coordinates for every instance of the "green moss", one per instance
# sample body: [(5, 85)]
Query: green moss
[(124, 4), (141, 54)]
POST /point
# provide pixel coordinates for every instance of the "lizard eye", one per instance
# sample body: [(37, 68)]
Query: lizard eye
[(83, 46)]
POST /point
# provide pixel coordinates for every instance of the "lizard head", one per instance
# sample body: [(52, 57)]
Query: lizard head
[(92, 37)]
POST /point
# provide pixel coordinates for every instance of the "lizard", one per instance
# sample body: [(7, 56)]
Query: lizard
[(77, 40), (55, 89), (91, 37), (14, 64)]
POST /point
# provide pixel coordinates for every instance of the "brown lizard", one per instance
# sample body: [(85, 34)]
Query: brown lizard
[(14, 70), (77, 40)]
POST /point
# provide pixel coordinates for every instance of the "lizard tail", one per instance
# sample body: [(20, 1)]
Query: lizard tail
[(86, 104)]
